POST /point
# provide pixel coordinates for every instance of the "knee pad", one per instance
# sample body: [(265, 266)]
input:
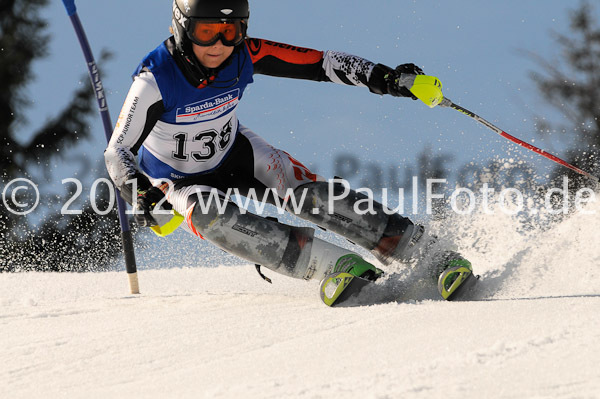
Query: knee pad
[(289, 250)]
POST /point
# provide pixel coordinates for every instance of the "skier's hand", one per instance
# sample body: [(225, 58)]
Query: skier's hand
[(146, 201), (392, 80)]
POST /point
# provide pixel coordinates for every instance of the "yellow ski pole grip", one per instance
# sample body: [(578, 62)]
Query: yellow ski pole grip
[(427, 89), (168, 222)]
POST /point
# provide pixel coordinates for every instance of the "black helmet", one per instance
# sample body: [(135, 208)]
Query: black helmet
[(186, 13)]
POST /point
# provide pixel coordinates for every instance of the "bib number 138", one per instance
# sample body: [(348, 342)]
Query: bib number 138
[(205, 144)]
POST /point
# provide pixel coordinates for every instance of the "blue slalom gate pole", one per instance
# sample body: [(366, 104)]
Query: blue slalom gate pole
[(127, 238)]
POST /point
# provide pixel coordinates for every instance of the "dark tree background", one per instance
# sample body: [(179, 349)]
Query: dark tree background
[(571, 85), (44, 240)]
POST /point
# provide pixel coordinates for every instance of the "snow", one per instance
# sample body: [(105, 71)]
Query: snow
[(222, 332)]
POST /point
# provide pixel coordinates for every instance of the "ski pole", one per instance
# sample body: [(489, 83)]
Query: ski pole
[(126, 235), (429, 90), (447, 103)]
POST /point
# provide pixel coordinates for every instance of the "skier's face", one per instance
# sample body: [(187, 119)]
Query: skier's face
[(212, 56)]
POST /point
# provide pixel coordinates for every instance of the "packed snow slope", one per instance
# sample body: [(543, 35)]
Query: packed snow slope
[(221, 332)]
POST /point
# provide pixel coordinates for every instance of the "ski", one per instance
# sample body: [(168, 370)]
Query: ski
[(344, 289), (339, 288), (455, 283)]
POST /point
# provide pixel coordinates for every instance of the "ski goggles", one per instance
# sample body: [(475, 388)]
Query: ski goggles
[(231, 32)]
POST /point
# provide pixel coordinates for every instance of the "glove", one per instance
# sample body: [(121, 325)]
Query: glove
[(146, 201), (392, 80)]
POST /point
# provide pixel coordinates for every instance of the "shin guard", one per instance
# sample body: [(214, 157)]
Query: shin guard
[(332, 205), (289, 250)]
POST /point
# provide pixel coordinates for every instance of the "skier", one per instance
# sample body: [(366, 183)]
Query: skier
[(179, 118)]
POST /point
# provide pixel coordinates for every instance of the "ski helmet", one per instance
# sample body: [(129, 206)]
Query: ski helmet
[(189, 14)]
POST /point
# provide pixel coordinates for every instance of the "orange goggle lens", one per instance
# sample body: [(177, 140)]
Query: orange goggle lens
[(207, 33)]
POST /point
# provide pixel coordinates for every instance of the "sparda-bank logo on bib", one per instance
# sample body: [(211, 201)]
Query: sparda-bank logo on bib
[(208, 109)]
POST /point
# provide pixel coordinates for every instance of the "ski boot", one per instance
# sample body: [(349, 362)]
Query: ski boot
[(456, 276), (349, 275)]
